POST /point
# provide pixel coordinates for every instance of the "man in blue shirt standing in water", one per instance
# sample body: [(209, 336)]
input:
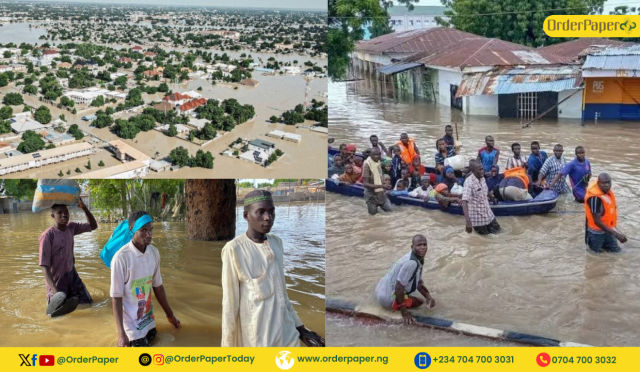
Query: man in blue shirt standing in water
[(579, 171), (488, 155)]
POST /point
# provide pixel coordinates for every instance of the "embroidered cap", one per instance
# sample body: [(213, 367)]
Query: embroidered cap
[(257, 196)]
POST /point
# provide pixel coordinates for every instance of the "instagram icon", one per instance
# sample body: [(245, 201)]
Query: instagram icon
[(158, 359)]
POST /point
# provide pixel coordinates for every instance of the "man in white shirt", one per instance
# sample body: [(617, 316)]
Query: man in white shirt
[(135, 269), (256, 310)]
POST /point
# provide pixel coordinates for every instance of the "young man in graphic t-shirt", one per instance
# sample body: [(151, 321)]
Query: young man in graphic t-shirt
[(135, 271)]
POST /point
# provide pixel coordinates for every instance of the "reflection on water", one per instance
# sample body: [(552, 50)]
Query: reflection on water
[(536, 276), (190, 272)]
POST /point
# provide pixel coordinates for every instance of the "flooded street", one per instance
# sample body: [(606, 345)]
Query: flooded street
[(190, 271), (272, 96), (535, 277)]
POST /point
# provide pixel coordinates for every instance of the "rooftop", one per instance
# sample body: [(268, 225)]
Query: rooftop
[(44, 154), (262, 143), (129, 150), (112, 171)]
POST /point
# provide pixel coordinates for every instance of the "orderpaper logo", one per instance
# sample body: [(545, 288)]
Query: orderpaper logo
[(284, 360), (591, 25)]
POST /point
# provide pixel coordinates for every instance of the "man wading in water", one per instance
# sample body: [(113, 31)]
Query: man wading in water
[(374, 194), (602, 216), (395, 290), (135, 269), (65, 289), (256, 310)]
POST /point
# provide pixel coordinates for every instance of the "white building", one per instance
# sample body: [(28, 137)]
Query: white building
[(421, 17), (276, 134), (292, 70), (86, 96), (44, 157), (292, 137), (5, 68), (21, 124), (130, 170)]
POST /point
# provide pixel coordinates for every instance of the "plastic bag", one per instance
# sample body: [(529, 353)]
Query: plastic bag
[(50, 192)]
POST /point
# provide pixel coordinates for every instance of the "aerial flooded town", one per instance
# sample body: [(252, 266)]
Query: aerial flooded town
[(147, 91)]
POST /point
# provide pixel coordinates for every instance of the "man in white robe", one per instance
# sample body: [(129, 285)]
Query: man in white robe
[(256, 310)]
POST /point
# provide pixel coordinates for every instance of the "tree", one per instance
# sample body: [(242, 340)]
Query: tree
[(163, 87), (209, 132), (347, 19), (14, 99), (30, 89), (299, 108), (21, 189), (75, 132), (121, 82), (4, 80), (179, 156), (101, 163), (5, 126), (6, 112), (103, 120), (42, 115), (31, 142), (173, 131), (99, 101), (211, 209), (202, 160), (88, 166), (519, 22), (126, 129)]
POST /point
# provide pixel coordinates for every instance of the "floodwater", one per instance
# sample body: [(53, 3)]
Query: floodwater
[(361, 333), (272, 96), (536, 276), (21, 33), (190, 271)]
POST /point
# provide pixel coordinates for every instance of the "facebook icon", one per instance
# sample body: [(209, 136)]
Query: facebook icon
[(33, 359)]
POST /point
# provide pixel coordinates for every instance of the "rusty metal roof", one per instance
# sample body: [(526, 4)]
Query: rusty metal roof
[(574, 48), (520, 80), (614, 58), (484, 52), (414, 41), (394, 69)]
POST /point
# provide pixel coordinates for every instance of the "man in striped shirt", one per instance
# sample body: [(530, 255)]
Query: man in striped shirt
[(516, 160), (552, 166)]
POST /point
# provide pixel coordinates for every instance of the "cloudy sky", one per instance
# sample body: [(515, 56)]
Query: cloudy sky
[(272, 4)]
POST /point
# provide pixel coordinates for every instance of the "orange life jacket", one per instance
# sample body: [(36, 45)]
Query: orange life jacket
[(518, 172), (610, 215), (407, 154)]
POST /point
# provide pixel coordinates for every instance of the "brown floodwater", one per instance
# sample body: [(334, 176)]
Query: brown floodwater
[(357, 333), (536, 276), (190, 271), (272, 96)]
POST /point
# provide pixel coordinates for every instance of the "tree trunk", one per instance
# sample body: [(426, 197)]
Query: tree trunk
[(123, 195), (211, 209)]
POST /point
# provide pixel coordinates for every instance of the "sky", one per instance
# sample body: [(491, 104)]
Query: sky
[(272, 4), (609, 5)]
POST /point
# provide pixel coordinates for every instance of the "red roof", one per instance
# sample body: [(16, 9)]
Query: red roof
[(193, 104), (151, 73), (571, 49), (125, 59), (137, 48), (484, 52), (150, 54), (176, 97), (50, 52), (414, 41)]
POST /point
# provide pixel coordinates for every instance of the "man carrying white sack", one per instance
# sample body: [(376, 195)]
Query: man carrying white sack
[(65, 289)]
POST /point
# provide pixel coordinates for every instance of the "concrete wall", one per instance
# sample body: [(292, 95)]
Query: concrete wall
[(7, 205), (571, 108), (445, 79), (481, 105)]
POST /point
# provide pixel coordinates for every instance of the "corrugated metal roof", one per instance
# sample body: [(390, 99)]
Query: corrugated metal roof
[(483, 52), (571, 49), (401, 10), (612, 62), (633, 49), (508, 81), (414, 41), (394, 69)]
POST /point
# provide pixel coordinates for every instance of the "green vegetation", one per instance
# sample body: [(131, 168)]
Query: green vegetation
[(31, 142), (42, 115), (14, 99), (75, 132)]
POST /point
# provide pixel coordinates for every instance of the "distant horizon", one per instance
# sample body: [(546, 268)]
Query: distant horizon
[(303, 5)]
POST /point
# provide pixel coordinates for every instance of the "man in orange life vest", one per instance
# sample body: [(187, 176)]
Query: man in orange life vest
[(602, 215), (408, 148)]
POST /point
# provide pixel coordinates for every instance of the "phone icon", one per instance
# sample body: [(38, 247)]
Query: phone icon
[(543, 359), (422, 360)]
